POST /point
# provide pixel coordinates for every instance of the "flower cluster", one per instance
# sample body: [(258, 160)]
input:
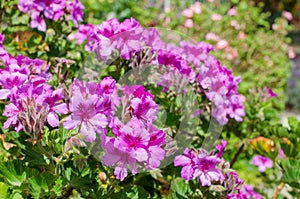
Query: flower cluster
[(212, 170), (135, 144), (186, 61), (110, 36), (24, 83), (92, 107), (51, 9), (138, 142), (201, 164)]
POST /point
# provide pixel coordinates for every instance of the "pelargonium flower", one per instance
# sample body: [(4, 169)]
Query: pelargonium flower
[(262, 162), (76, 10), (238, 195), (152, 39), (248, 189), (205, 168), (51, 9), (200, 164), (51, 103), (84, 31), (187, 59), (38, 22), (90, 108), (139, 103), (133, 144), (21, 79), (112, 35), (186, 160), (221, 148)]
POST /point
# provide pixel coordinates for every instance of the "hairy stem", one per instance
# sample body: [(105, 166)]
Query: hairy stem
[(278, 189)]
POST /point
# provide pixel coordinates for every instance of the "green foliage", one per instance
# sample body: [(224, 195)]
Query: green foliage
[(57, 168)]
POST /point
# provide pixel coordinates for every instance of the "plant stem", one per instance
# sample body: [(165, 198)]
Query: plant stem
[(237, 155), (278, 189)]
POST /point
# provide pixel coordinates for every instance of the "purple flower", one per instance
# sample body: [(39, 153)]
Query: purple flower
[(84, 31), (271, 92), (128, 39), (281, 154), (25, 5), (137, 102), (238, 195), (51, 9), (206, 169), (133, 145), (112, 35), (221, 148), (262, 162), (187, 162), (86, 113), (52, 104), (248, 189), (199, 165), (38, 22), (152, 39), (76, 9)]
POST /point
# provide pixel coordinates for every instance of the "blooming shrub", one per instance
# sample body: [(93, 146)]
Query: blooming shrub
[(114, 110), (241, 34), (53, 10)]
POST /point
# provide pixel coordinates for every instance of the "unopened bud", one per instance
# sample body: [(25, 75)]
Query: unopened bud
[(102, 176)]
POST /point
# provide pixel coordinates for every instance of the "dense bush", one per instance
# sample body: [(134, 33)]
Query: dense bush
[(114, 110), (243, 38)]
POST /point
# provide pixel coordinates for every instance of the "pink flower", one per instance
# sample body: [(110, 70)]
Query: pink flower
[(84, 115), (199, 164), (197, 7), (134, 144), (242, 35), (287, 15), (76, 9), (186, 160), (235, 24), (189, 23), (232, 11), (38, 22), (205, 169), (84, 31), (249, 190), (91, 109), (262, 162), (222, 44), (139, 103), (291, 53), (188, 13), (52, 104), (271, 92), (281, 154), (212, 36), (221, 148), (274, 27), (238, 195), (216, 17)]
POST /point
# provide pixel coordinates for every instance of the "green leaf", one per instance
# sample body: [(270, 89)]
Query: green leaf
[(291, 169), (294, 124), (3, 190), (13, 172), (180, 187)]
